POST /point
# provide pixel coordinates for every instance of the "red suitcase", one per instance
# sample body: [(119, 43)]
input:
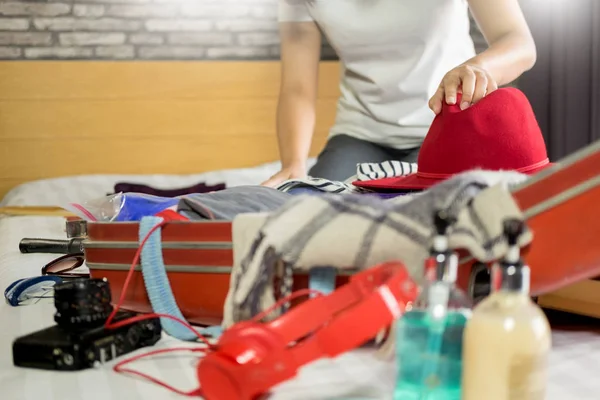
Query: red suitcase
[(560, 205)]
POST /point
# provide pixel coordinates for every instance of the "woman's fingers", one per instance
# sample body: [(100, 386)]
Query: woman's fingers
[(481, 85), (473, 82), (275, 180), (491, 86), (435, 103), (469, 80), (450, 86)]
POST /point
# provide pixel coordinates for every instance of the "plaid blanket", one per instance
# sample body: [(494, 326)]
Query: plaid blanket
[(354, 231)]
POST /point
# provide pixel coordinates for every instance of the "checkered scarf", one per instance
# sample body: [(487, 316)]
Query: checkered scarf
[(354, 231)]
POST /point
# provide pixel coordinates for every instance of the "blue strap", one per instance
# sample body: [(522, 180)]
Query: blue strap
[(322, 279), (157, 283), (212, 331), (158, 287)]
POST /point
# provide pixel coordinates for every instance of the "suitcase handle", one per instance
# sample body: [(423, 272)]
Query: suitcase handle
[(51, 246)]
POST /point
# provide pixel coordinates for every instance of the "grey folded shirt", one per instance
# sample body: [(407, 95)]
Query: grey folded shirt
[(228, 203)]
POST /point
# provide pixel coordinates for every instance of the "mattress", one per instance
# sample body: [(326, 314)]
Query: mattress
[(76, 189), (574, 360)]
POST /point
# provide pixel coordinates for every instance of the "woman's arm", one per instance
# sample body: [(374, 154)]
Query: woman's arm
[(300, 55), (511, 48), (511, 51)]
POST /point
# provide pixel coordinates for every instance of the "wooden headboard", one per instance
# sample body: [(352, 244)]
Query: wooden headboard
[(71, 118)]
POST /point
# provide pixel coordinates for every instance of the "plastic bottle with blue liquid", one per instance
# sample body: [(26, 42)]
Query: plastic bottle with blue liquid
[(430, 335)]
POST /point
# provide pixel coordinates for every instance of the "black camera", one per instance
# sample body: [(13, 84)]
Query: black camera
[(79, 339)]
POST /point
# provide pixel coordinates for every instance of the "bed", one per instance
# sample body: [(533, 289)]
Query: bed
[(69, 131), (354, 373)]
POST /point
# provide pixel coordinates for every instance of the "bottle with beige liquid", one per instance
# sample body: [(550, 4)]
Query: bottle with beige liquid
[(507, 341)]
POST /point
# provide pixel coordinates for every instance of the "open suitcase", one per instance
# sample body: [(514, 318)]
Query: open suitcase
[(560, 205), (198, 257)]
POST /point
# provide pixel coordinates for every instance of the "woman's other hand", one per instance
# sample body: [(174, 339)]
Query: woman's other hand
[(471, 80), (283, 175)]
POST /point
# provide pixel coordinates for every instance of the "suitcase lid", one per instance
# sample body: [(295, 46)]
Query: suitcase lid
[(568, 178)]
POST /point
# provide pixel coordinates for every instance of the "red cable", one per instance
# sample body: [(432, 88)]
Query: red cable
[(119, 367), (297, 293), (109, 325), (130, 273)]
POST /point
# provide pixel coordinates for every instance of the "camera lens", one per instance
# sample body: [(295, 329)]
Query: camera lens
[(82, 303)]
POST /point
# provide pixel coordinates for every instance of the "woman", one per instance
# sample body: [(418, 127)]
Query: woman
[(401, 59)]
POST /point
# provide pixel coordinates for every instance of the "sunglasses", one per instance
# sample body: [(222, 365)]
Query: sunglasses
[(63, 266)]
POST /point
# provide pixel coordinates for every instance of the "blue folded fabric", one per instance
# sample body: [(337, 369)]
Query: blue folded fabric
[(135, 206)]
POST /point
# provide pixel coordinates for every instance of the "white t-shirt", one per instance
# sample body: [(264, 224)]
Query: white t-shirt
[(394, 54)]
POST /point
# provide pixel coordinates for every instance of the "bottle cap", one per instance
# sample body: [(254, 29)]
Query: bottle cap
[(511, 273), (441, 222), (513, 229)]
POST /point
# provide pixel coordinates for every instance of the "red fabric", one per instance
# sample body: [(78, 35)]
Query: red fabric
[(500, 132), (171, 215)]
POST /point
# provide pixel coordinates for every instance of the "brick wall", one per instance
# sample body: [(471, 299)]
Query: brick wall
[(142, 29)]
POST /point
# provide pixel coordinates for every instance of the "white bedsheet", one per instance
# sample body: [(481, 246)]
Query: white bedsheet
[(574, 361), (74, 189), (355, 374)]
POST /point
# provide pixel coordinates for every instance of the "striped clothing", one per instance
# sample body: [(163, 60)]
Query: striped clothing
[(364, 172), (386, 169), (321, 185)]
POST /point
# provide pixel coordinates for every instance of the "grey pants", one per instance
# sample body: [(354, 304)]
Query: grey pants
[(337, 161)]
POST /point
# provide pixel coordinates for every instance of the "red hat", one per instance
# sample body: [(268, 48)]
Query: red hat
[(500, 132)]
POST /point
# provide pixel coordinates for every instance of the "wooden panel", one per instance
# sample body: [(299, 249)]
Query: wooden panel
[(144, 119), (150, 80), (72, 118), (581, 298), (168, 154)]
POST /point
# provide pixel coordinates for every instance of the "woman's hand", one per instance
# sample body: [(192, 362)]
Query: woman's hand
[(284, 175), (471, 80)]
